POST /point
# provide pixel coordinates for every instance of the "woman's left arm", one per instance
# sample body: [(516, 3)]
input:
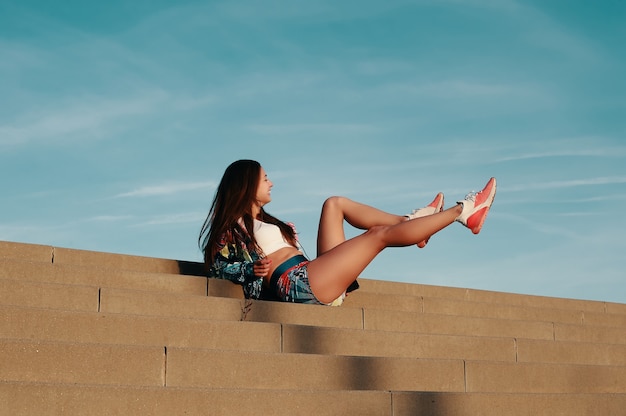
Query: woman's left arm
[(237, 265)]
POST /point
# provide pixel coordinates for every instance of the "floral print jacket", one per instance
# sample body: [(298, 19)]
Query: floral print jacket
[(235, 262)]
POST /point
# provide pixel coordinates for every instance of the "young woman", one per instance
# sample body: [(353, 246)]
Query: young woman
[(241, 242)]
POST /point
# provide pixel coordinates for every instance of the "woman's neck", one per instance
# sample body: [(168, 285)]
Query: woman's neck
[(256, 210)]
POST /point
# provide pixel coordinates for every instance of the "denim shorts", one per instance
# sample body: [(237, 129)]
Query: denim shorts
[(290, 283)]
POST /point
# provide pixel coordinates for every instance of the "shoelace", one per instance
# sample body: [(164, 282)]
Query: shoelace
[(416, 210), (471, 196)]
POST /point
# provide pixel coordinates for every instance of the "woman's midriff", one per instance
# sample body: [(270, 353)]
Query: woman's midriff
[(278, 258)]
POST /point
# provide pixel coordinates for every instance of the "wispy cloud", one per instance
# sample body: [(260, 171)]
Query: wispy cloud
[(88, 117), (609, 180), (109, 218), (595, 152), (466, 88), (308, 128), (167, 188), (178, 218)]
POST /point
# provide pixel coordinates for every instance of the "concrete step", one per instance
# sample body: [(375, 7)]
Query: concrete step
[(67, 363), (605, 319), (590, 333), (515, 378), (28, 399), (384, 301), (28, 324), (426, 323), (122, 365), (250, 370), (367, 343), (100, 260), (203, 307), (484, 296), (345, 317), (616, 308), (330, 341), (19, 323), (371, 290), (500, 404), (96, 259), (86, 298), (76, 275), (49, 295), (490, 310), (103, 260), (106, 328), (26, 252), (563, 352), (210, 369), (81, 275)]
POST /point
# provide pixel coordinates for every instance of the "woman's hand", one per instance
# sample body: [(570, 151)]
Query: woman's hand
[(262, 267)]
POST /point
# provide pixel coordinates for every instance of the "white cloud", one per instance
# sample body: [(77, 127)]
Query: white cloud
[(167, 188), (596, 152), (610, 180), (182, 218), (88, 117), (109, 218), (318, 128)]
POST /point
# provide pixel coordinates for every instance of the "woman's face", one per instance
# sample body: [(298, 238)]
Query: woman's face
[(264, 189)]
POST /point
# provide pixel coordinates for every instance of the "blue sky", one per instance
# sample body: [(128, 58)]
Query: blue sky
[(118, 118)]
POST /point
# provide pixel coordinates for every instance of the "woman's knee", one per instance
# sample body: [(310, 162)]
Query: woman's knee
[(333, 203), (378, 235)]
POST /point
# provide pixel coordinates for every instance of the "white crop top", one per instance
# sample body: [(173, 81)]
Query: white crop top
[(268, 237)]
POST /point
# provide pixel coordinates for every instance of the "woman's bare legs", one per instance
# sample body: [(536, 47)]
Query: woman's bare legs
[(340, 262), (336, 209)]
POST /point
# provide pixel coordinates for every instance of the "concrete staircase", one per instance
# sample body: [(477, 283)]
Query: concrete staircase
[(88, 333)]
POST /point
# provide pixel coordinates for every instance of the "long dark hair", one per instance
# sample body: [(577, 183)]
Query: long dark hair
[(233, 200)]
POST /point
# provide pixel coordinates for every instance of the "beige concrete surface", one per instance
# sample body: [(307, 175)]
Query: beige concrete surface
[(32, 361), (484, 296), (224, 289), (590, 333), (564, 352), (82, 275), (426, 323), (411, 289), (486, 404), (24, 251), (249, 370), (91, 333), (605, 319), (68, 400), (318, 315), (48, 295), (96, 259), (489, 377), (383, 301), (543, 302), (204, 307), (96, 328), (136, 302), (491, 310), (333, 341), (616, 308)]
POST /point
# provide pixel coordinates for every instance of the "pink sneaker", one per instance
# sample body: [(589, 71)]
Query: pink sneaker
[(430, 209), (476, 205)]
